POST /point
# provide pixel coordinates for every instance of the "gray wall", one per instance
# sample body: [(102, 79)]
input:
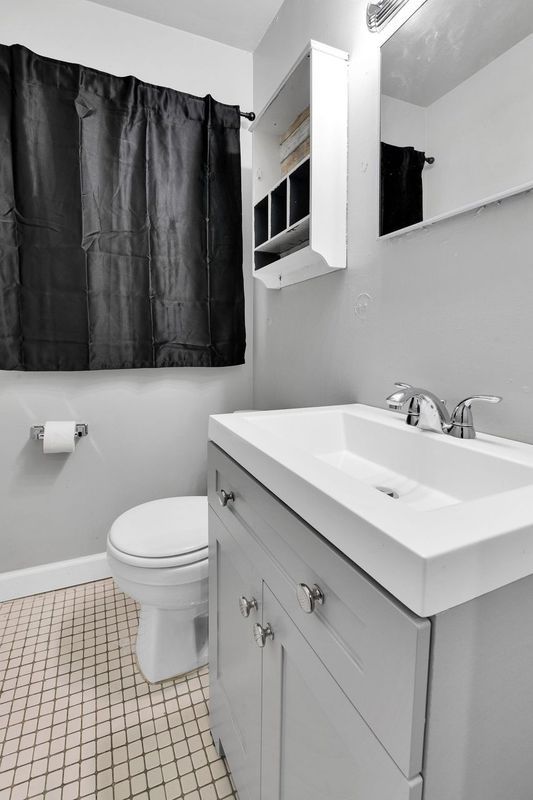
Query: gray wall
[(451, 306), (148, 428)]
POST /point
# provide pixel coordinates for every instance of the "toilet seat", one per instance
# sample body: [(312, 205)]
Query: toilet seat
[(171, 532), (158, 563)]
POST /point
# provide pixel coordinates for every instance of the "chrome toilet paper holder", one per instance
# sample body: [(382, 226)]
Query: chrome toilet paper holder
[(37, 431)]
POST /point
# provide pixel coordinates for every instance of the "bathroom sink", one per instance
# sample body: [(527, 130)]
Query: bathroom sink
[(424, 471), (435, 520)]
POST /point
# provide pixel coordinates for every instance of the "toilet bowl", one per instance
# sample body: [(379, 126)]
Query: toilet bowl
[(157, 553)]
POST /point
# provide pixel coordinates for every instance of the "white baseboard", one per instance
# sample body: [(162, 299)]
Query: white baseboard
[(58, 575)]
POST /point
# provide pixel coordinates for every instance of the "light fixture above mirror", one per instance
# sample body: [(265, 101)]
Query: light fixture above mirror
[(380, 13)]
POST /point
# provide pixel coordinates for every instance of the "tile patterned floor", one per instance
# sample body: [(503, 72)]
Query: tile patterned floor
[(77, 720)]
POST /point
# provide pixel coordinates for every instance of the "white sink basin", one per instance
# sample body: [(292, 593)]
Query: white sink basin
[(459, 523), (426, 471)]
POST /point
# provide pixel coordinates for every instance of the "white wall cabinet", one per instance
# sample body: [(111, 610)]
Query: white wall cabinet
[(300, 218)]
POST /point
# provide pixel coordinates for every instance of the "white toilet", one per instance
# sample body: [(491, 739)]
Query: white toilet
[(157, 553)]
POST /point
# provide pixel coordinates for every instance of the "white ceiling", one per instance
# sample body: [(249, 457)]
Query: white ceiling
[(239, 23), (447, 41)]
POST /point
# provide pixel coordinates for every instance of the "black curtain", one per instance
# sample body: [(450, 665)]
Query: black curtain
[(120, 222), (401, 202)]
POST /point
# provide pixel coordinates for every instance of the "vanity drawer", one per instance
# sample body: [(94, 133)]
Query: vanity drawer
[(375, 648)]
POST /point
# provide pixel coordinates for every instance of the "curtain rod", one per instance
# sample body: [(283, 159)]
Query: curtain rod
[(248, 114)]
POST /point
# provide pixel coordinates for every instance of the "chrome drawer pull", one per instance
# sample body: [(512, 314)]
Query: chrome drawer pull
[(225, 498), (262, 634), (246, 606), (308, 597)]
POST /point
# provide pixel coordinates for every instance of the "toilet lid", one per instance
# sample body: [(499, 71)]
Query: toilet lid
[(164, 528)]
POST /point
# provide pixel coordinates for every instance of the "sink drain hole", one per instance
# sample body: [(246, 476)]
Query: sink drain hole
[(388, 491)]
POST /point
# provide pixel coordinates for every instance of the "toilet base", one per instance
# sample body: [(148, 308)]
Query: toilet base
[(171, 643)]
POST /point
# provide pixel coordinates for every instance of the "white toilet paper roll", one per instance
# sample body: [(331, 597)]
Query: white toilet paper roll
[(59, 437)]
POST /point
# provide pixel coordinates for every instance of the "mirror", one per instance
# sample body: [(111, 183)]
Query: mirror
[(456, 110)]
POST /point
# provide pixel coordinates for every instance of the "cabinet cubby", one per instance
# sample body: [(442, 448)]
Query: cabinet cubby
[(278, 209), (299, 193), (261, 222)]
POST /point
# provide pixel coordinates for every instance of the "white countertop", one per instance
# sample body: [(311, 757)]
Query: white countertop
[(431, 553)]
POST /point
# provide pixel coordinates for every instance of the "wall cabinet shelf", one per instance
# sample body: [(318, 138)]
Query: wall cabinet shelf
[(300, 217), (287, 239)]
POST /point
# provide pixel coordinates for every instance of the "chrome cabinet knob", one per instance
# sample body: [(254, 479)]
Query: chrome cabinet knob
[(246, 606), (225, 497), (261, 634), (309, 597)]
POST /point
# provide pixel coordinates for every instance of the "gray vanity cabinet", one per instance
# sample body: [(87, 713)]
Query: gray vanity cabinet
[(333, 704), (347, 702)]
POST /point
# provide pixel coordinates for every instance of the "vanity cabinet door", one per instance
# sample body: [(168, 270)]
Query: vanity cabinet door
[(234, 659), (315, 745), (375, 649)]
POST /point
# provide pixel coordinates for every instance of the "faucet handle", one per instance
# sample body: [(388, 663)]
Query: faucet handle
[(400, 385), (462, 422)]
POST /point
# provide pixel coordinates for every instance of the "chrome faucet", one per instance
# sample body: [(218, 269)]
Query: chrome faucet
[(428, 412)]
